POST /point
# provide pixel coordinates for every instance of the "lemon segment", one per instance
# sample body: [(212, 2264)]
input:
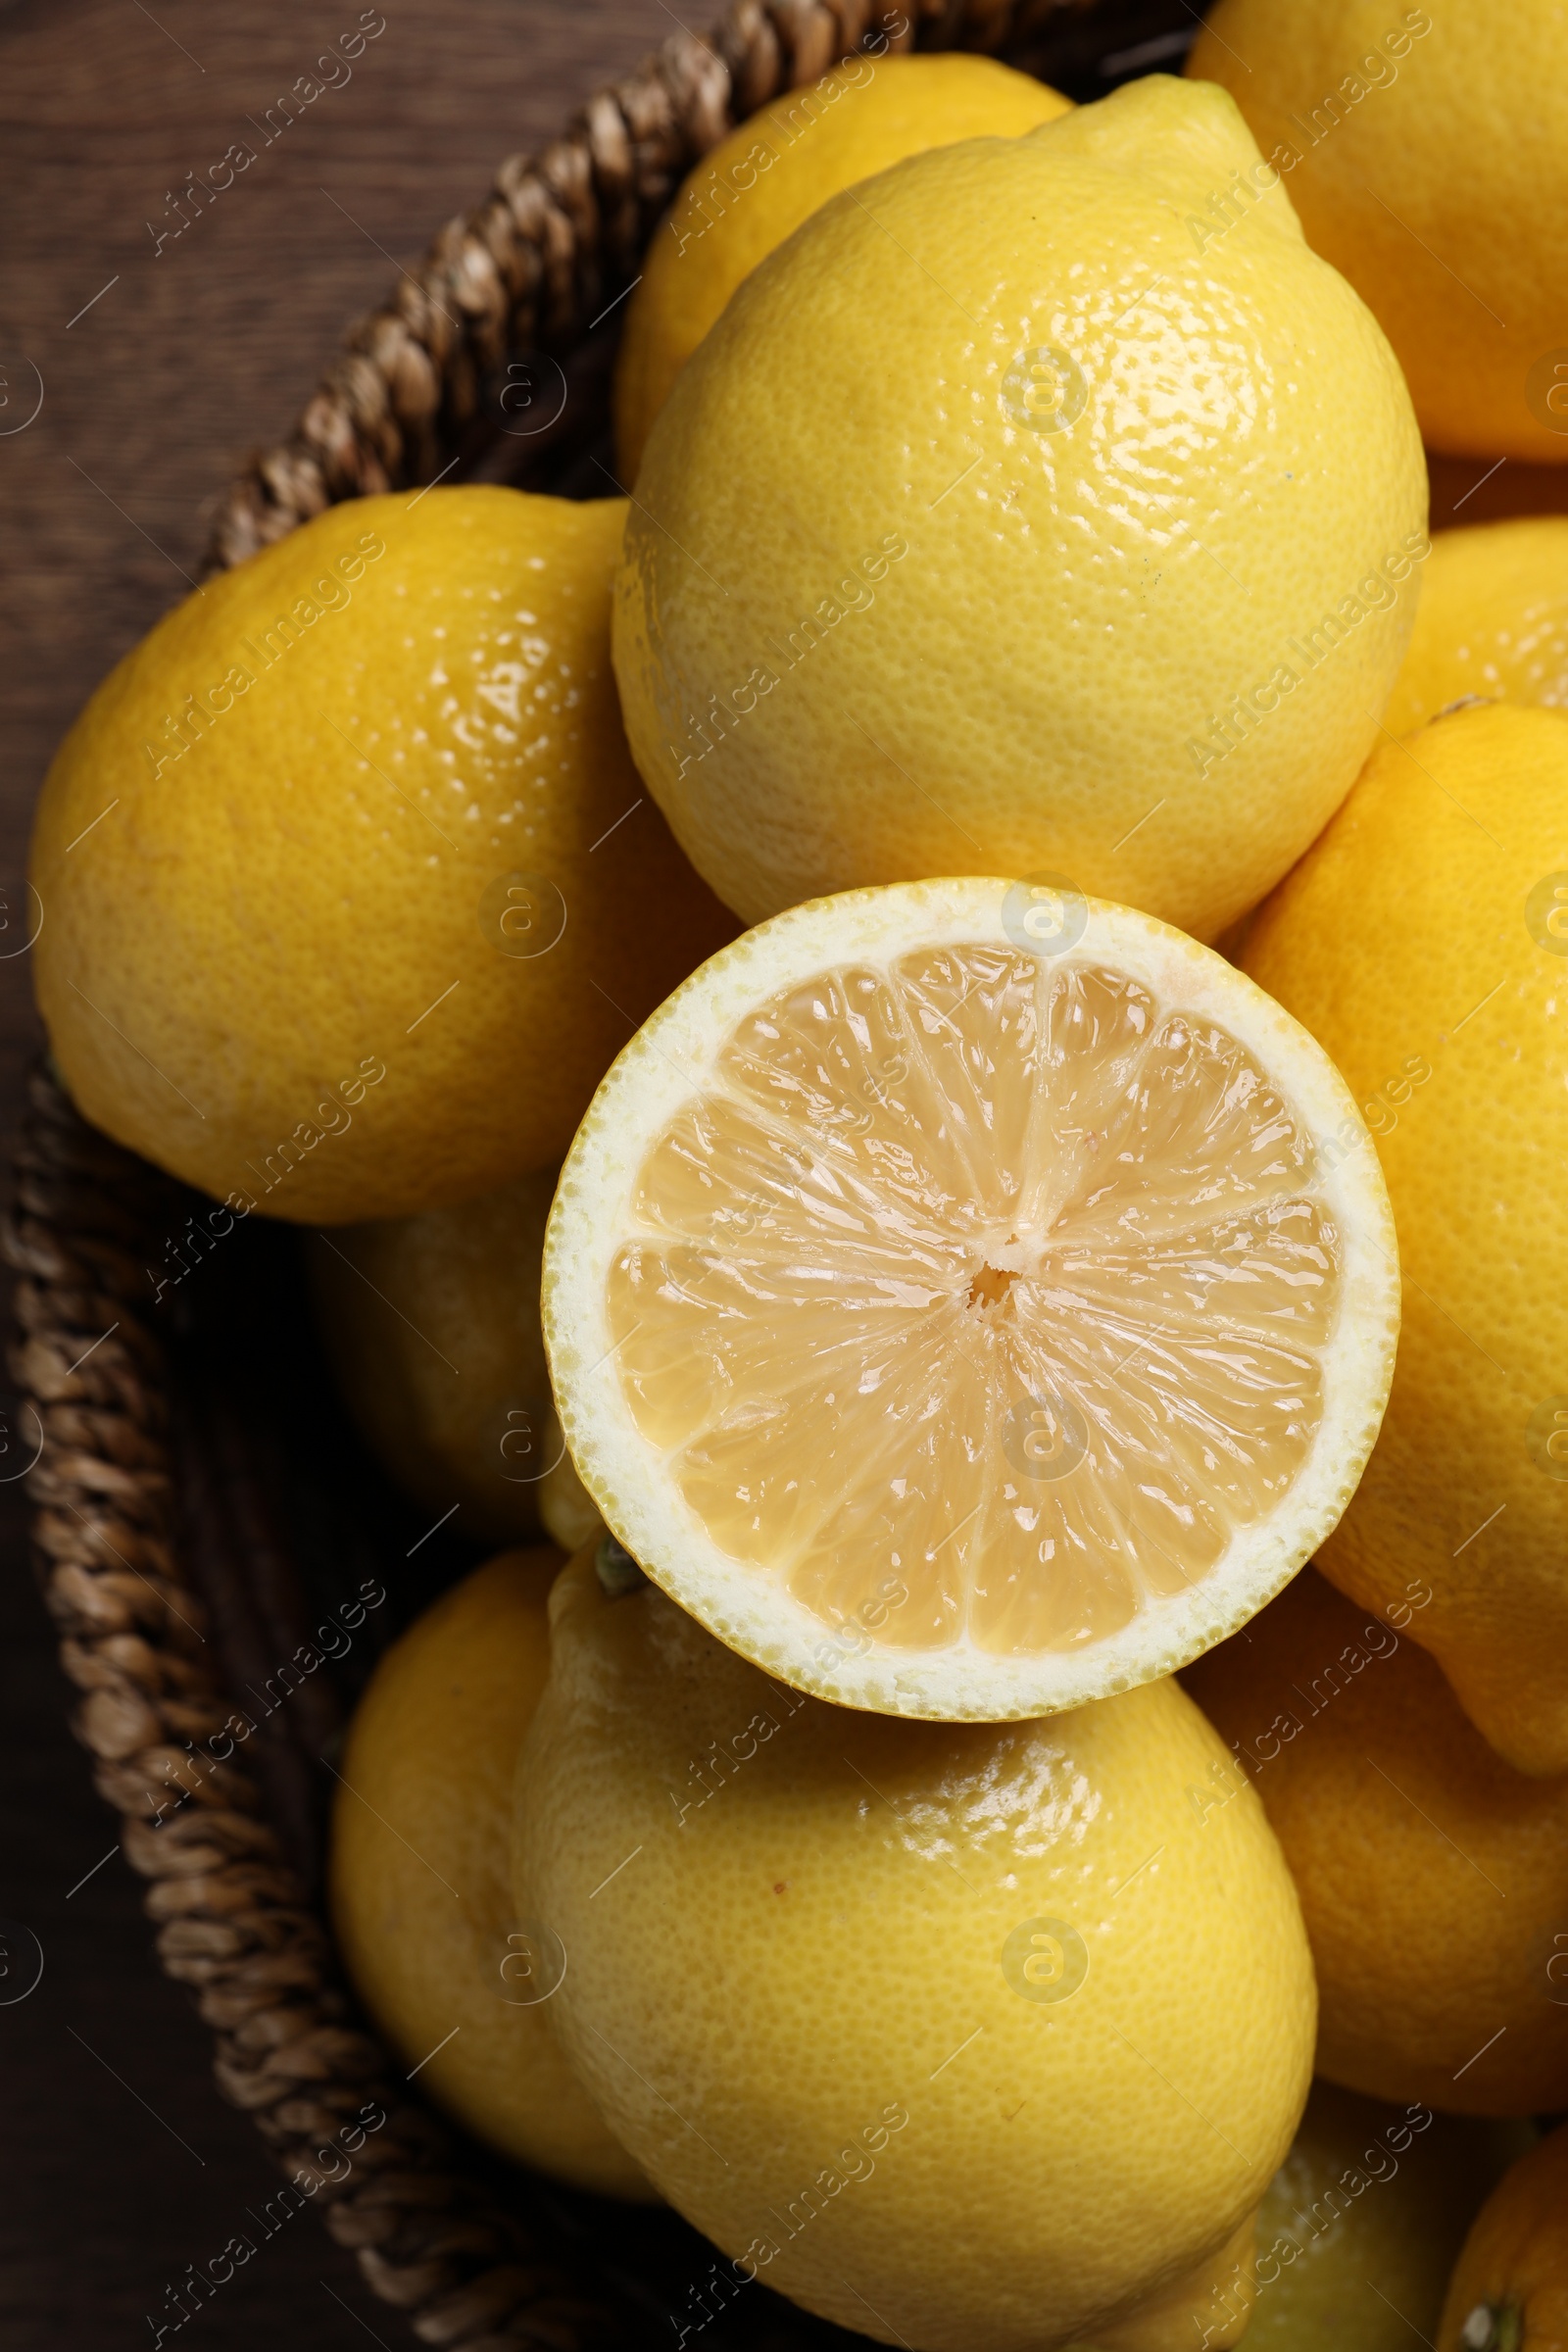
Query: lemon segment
[(963, 1330)]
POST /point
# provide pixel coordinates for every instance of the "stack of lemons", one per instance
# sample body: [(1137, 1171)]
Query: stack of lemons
[(911, 1804)]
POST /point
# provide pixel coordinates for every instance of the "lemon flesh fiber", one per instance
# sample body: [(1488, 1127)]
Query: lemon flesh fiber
[(964, 1329)]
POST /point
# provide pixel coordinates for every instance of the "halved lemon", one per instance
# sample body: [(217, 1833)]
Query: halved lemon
[(968, 1299)]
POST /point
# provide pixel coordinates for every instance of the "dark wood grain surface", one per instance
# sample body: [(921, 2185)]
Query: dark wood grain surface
[(118, 2163), (159, 365)]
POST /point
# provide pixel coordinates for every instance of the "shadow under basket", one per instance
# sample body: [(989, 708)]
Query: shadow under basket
[(200, 1502)]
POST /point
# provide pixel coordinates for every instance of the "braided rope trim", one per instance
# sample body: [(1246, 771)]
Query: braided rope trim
[(558, 236), (528, 270), (233, 1919)]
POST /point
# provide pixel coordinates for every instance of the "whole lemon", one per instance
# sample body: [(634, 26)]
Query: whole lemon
[(1426, 155), (772, 172), (1357, 2230), (433, 1327), (965, 2035), (1509, 2291), (453, 1969), (350, 890), (1492, 621), (1421, 941), (1430, 1871), (1069, 549)]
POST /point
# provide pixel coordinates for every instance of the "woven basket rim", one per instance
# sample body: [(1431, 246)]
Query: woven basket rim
[(529, 269)]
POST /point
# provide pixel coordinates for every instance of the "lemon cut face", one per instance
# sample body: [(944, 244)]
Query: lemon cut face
[(969, 1300)]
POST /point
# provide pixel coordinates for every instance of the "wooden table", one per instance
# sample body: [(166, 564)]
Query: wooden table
[(118, 2163)]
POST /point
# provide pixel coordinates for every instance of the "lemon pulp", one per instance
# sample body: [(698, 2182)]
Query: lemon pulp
[(983, 1279)]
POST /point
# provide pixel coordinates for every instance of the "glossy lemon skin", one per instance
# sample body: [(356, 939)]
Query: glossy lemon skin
[(1492, 621), (432, 1325), (1424, 151), (1510, 2285), (291, 852), (1357, 2230), (1430, 1871), (755, 187), (419, 1878), (894, 2011), (1422, 941), (992, 529)]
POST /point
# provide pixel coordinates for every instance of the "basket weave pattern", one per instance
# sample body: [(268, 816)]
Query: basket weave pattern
[(560, 235), (555, 239)]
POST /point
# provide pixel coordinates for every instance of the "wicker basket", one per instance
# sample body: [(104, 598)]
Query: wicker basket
[(200, 1507)]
